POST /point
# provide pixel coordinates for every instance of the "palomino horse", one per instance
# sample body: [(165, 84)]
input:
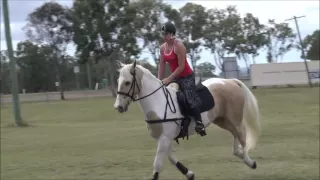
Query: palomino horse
[(234, 109)]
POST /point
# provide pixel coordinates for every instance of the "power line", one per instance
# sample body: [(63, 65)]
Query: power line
[(302, 45)]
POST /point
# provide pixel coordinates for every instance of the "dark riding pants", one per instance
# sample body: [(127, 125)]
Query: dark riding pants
[(188, 86)]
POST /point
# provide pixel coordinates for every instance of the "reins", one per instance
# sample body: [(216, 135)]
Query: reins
[(166, 93)]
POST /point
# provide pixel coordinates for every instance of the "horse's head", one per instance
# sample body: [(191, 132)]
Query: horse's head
[(129, 85)]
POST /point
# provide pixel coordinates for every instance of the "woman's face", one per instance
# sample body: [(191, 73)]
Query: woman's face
[(167, 36)]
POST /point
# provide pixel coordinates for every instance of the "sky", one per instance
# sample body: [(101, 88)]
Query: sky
[(264, 10)]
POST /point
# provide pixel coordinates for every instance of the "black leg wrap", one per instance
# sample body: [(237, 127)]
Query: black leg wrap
[(182, 168), (155, 176)]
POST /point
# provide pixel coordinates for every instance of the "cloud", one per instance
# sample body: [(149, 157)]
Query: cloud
[(278, 10), (3, 44), (16, 31), (19, 9), (264, 10), (18, 13)]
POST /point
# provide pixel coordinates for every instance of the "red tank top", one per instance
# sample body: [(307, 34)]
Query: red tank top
[(172, 60)]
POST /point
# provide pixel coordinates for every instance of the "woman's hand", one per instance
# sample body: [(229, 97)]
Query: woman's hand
[(166, 81)]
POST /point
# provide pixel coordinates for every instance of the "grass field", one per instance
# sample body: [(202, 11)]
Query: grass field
[(87, 139)]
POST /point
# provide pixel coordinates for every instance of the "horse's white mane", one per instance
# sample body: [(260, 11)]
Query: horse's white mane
[(125, 70)]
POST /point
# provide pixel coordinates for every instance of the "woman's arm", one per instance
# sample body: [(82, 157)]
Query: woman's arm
[(162, 65)]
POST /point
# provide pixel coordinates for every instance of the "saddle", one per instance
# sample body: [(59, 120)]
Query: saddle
[(207, 103)]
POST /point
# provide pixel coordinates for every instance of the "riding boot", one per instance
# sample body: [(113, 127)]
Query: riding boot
[(200, 129)]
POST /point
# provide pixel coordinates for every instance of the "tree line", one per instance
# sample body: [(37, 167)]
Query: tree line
[(105, 31)]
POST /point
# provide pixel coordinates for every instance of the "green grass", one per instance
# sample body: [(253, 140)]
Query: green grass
[(87, 139)]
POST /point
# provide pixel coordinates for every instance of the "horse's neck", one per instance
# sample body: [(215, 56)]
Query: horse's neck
[(156, 102)]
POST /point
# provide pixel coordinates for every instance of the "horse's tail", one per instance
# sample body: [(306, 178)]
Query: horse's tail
[(251, 117)]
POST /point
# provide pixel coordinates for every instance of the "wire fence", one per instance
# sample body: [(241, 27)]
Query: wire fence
[(55, 96)]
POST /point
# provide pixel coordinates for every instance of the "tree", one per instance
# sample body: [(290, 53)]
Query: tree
[(51, 24), (280, 40), (250, 40), (105, 30), (149, 30), (103, 27), (206, 69), (194, 18), (311, 44), (5, 73), (35, 67), (222, 28), (153, 69)]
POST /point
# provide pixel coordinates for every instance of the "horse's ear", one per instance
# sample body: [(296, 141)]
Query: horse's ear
[(133, 67), (134, 63), (120, 64)]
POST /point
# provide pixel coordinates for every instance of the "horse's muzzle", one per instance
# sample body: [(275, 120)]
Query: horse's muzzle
[(121, 109)]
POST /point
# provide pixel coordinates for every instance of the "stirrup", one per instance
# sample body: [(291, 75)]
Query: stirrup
[(200, 130), (203, 133), (199, 123)]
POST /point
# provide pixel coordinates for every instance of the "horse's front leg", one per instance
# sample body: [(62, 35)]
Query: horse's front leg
[(184, 170), (163, 146)]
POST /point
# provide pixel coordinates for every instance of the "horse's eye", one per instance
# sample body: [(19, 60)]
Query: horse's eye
[(127, 83)]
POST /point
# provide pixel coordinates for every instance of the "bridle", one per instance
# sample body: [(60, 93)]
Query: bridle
[(133, 86), (166, 92)]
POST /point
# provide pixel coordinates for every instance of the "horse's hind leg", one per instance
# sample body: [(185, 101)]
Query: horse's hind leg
[(241, 134), (237, 149), (184, 170)]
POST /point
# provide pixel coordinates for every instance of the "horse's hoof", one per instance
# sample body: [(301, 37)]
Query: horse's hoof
[(192, 177), (254, 166), (155, 176)]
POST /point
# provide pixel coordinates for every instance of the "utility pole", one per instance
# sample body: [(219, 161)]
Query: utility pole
[(302, 46), (15, 93)]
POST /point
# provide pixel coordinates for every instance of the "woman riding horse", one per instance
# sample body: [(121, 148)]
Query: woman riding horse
[(174, 53)]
